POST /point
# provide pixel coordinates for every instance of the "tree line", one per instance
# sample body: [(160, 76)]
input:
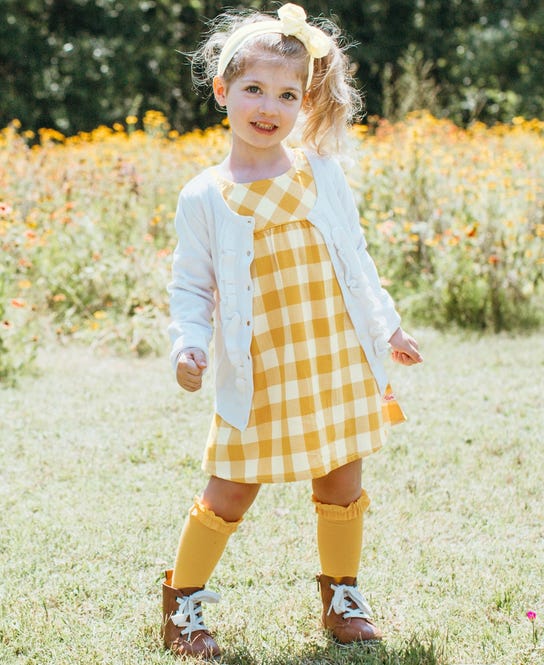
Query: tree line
[(74, 64)]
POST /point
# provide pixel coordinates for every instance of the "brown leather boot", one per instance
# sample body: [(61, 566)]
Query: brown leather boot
[(183, 628), (346, 612)]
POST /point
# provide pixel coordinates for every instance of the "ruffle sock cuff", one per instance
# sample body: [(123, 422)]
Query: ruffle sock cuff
[(334, 513), (209, 519)]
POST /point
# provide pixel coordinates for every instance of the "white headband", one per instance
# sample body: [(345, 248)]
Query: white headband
[(292, 23)]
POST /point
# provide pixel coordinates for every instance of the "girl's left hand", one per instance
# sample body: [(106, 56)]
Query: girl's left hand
[(405, 349)]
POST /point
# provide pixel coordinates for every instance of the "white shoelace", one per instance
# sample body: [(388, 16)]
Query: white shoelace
[(189, 615), (349, 602)]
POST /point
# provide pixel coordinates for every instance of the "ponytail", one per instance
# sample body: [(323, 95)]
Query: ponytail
[(332, 102)]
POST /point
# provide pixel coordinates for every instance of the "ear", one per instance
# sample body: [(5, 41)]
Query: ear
[(220, 90)]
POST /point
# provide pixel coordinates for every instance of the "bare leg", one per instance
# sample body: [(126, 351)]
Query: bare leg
[(227, 499), (341, 486)]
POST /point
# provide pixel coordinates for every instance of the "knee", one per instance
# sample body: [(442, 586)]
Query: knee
[(341, 486), (339, 495), (227, 499), (242, 495)]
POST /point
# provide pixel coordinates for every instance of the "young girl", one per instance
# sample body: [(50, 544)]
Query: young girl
[(270, 248)]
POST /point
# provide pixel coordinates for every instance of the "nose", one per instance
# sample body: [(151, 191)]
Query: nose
[(267, 105)]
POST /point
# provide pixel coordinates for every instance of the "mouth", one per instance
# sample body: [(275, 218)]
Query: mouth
[(264, 127)]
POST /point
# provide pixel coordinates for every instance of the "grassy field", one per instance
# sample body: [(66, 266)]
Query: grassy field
[(101, 459)]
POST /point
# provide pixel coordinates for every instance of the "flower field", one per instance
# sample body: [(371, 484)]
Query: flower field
[(454, 220)]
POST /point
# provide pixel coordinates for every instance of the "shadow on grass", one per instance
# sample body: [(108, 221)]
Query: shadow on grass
[(413, 651)]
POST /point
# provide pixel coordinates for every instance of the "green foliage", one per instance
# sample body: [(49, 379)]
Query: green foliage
[(492, 73), (73, 64), (412, 89), (18, 337), (483, 57), (18, 324)]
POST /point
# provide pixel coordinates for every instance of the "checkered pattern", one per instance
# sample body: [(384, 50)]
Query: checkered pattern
[(316, 405), (289, 197)]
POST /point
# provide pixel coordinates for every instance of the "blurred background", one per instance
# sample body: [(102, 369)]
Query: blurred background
[(101, 127), (73, 64)]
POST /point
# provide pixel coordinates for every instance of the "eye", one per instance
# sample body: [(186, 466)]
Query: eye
[(289, 96), (253, 89)]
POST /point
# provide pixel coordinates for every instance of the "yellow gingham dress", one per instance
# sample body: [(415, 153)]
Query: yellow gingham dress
[(316, 405)]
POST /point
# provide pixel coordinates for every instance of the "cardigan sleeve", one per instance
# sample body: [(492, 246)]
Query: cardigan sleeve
[(193, 285), (386, 307)]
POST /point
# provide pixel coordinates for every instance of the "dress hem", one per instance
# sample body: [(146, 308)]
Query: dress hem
[(307, 474)]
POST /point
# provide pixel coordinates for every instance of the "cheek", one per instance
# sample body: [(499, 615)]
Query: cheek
[(240, 106), (294, 110)]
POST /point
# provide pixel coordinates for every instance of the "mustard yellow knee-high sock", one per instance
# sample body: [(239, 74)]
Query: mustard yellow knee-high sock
[(340, 536), (203, 539)]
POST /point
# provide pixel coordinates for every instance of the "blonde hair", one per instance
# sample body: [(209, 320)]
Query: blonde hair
[(332, 101)]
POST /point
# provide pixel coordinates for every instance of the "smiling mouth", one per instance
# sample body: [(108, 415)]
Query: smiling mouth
[(266, 127)]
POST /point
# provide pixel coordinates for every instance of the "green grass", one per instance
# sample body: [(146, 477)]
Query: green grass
[(101, 458)]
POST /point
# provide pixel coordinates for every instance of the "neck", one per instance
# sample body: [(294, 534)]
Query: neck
[(244, 165)]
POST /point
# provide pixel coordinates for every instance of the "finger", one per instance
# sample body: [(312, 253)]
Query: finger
[(188, 365), (199, 358), (190, 384), (184, 379), (403, 358), (195, 358)]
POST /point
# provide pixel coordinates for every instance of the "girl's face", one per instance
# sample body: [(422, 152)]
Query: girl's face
[(262, 104)]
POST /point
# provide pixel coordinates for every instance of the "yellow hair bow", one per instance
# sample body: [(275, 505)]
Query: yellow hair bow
[(292, 23), (293, 20)]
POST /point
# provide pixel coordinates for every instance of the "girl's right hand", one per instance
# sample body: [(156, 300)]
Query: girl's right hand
[(191, 366)]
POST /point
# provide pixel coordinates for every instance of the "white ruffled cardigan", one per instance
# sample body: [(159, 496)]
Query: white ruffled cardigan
[(211, 281)]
